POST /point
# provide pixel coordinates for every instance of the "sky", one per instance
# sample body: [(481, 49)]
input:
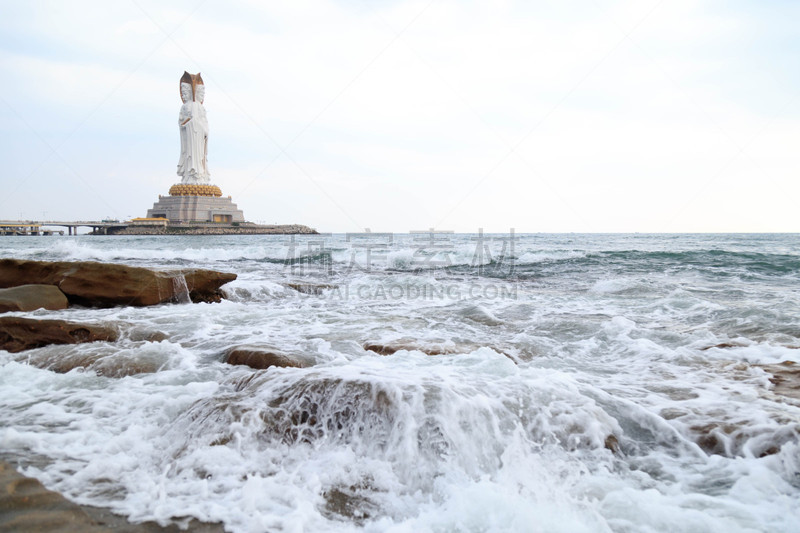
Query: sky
[(559, 116)]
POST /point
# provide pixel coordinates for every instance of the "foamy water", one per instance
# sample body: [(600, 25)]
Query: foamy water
[(583, 383)]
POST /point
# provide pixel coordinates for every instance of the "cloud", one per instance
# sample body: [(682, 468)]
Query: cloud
[(576, 116)]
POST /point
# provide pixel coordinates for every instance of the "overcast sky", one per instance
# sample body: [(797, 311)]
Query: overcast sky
[(560, 116)]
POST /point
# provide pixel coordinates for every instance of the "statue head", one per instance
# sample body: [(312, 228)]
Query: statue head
[(192, 87), (186, 92)]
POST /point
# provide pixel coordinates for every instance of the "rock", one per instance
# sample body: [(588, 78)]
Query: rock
[(349, 503), (204, 285), (107, 285), (115, 365), (389, 349), (612, 444), (141, 334), (429, 349), (18, 334), (311, 288), (723, 346), (785, 378), (26, 505), (262, 357), (30, 297)]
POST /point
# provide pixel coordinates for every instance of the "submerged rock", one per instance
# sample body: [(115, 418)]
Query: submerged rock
[(30, 297), (18, 334), (116, 365), (26, 505), (349, 503), (785, 379), (259, 357), (311, 288), (391, 348), (732, 438), (107, 285), (612, 444)]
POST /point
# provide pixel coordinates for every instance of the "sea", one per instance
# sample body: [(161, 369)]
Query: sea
[(450, 383)]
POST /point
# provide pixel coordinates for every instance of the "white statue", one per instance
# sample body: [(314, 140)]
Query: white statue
[(193, 125)]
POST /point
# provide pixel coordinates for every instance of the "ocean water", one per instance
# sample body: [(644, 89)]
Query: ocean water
[(580, 383)]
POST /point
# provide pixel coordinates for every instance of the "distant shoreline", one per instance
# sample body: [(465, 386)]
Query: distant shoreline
[(245, 229)]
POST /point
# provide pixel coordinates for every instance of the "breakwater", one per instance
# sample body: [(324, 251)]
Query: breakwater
[(289, 229)]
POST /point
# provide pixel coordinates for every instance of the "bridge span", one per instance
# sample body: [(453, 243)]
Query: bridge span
[(36, 227)]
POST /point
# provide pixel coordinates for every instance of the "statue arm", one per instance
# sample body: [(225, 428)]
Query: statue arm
[(185, 114)]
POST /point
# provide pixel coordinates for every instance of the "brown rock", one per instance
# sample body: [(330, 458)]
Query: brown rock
[(107, 285), (389, 349), (26, 505), (116, 365), (30, 297), (18, 334), (428, 349), (785, 378), (261, 357), (204, 285), (612, 443)]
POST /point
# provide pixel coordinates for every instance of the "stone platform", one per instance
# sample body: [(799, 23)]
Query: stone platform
[(186, 208)]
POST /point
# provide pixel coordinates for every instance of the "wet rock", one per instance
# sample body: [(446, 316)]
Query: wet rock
[(25, 505), (139, 334), (612, 443), (311, 288), (262, 357), (349, 503), (723, 346), (732, 438), (18, 334), (785, 379), (30, 297), (391, 348), (116, 365), (95, 284), (204, 285), (671, 413)]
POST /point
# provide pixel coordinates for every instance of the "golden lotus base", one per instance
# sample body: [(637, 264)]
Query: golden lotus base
[(185, 189)]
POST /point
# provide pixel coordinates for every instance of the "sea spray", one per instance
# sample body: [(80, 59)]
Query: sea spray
[(622, 388)]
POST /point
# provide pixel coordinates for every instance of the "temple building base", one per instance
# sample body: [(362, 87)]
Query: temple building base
[(196, 203)]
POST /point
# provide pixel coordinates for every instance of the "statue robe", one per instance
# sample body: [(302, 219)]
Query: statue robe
[(193, 163)]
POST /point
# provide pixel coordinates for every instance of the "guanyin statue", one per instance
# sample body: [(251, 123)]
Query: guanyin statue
[(193, 125)]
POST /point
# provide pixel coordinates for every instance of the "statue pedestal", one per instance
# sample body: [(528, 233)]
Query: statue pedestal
[(185, 207)]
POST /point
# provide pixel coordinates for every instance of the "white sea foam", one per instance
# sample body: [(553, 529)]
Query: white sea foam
[(615, 395)]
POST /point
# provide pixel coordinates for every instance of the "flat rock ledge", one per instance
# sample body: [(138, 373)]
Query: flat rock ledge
[(26, 505), (31, 297), (93, 284), (18, 334), (260, 357)]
